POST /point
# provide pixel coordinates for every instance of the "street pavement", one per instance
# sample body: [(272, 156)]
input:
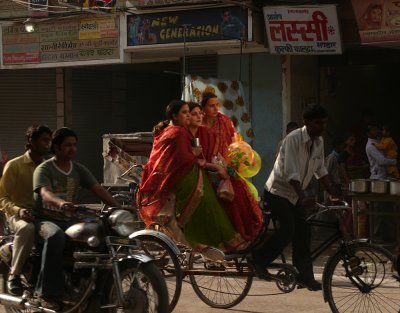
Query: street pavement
[(264, 297)]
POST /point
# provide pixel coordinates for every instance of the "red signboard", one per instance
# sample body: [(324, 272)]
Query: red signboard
[(21, 58)]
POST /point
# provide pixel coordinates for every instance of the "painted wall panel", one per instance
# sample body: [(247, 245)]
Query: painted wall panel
[(261, 75)]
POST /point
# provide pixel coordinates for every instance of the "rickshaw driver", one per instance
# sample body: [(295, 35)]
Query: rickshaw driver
[(301, 157)]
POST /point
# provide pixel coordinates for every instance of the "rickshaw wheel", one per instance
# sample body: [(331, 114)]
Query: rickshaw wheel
[(215, 286)]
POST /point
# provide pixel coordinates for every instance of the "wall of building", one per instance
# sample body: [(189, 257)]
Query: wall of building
[(304, 82), (262, 79)]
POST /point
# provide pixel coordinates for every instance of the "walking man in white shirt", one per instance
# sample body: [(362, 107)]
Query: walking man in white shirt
[(300, 158)]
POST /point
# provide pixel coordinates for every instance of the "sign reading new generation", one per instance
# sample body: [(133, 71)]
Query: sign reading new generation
[(200, 25)]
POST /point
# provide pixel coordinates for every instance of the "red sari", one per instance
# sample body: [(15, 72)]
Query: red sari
[(170, 160), (224, 131), (244, 212), (208, 142), (175, 194)]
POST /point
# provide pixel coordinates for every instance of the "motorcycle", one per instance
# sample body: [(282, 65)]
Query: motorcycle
[(104, 269)]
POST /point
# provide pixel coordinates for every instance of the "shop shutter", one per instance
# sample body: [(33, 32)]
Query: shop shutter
[(26, 97), (203, 65), (148, 96), (91, 114)]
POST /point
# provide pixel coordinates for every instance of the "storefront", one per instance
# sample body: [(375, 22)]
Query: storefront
[(41, 82), (102, 84), (360, 80), (364, 80), (196, 39)]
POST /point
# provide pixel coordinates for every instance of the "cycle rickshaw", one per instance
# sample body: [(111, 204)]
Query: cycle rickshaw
[(357, 275)]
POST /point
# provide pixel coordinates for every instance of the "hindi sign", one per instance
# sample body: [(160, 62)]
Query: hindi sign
[(303, 30), (198, 25), (62, 41), (378, 20)]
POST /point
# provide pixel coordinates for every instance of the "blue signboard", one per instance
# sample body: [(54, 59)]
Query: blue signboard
[(197, 25)]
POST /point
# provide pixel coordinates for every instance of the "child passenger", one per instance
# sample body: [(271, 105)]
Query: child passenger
[(388, 146)]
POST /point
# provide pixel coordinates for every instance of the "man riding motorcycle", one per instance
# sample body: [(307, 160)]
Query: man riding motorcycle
[(56, 184), (16, 199)]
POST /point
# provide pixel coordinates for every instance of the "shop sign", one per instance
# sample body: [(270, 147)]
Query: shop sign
[(378, 20), (38, 8), (303, 30), (62, 41), (198, 25)]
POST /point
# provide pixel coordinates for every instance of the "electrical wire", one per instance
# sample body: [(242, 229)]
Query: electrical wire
[(27, 4), (69, 8), (48, 8)]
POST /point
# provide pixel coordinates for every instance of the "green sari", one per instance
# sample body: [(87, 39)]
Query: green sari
[(203, 219)]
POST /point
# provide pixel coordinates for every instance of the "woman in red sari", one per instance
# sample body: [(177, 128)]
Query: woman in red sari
[(176, 194), (243, 211), (205, 135)]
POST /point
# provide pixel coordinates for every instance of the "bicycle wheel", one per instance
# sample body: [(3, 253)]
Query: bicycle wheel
[(362, 280), (219, 285), (168, 262)]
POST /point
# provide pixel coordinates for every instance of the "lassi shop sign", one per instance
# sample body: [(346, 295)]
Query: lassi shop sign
[(303, 30)]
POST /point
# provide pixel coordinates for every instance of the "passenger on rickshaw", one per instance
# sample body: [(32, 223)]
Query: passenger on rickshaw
[(243, 210), (177, 194)]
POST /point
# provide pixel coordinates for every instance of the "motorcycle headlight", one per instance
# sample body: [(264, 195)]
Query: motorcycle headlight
[(122, 222)]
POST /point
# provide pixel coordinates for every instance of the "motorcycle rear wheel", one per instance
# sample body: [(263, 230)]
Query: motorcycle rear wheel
[(142, 284)]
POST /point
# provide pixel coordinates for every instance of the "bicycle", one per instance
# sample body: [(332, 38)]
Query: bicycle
[(359, 274)]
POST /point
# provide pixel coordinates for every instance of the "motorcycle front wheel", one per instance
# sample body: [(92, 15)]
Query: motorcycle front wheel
[(143, 287)]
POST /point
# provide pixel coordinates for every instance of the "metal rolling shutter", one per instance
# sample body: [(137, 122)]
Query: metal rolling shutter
[(26, 97), (91, 115), (202, 65)]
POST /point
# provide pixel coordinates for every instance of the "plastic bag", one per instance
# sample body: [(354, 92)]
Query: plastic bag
[(225, 190)]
